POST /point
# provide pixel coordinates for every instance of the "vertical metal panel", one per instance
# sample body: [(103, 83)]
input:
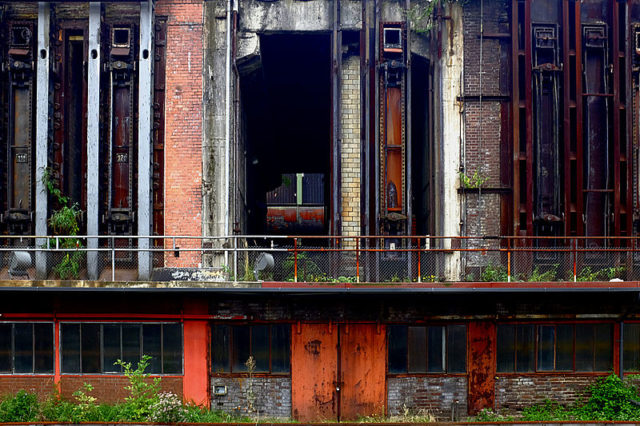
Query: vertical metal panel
[(93, 135), (159, 56), (145, 115), (314, 372), (362, 369), (515, 113), (482, 364), (42, 131), (528, 60)]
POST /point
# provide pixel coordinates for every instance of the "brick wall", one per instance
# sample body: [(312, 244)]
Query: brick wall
[(483, 130), (439, 396), (42, 385), (111, 388), (516, 392), (350, 135), (272, 395), (183, 123)]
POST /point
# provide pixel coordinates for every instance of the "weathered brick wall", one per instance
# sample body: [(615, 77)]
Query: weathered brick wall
[(272, 395), (516, 392), (439, 396), (183, 123), (111, 388), (42, 385), (484, 129), (350, 136)]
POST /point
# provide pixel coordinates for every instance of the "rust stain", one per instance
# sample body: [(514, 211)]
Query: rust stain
[(313, 347)]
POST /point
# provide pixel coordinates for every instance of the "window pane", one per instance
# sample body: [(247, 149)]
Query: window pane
[(151, 344), (172, 348), (260, 347), (43, 348), (91, 348), (280, 348), (546, 340), (131, 344), (506, 348), (584, 347), (436, 349), (457, 348), (397, 349), (417, 349), (564, 348), (5, 348), (603, 347), (70, 348), (631, 347), (23, 341), (220, 348), (111, 345), (240, 348), (525, 348)]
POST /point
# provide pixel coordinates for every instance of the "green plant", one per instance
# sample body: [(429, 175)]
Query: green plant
[(168, 409), (604, 274), (86, 404), (610, 398), (473, 182), (420, 14), (64, 221), (549, 275), (249, 393), (143, 391), (547, 411), (21, 407), (308, 270), (489, 415), (492, 273)]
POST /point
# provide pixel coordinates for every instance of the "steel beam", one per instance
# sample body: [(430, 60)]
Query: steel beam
[(42, 133), (145, 114), (93, 137)]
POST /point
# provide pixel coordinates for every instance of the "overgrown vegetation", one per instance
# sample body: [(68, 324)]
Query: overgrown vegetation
[(64, 221), (474, 181), (607, 399), (421, 14), (145, 403)]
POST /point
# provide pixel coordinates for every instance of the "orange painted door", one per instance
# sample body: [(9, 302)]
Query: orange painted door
[(362, 367), (314, 372), (337, 371)]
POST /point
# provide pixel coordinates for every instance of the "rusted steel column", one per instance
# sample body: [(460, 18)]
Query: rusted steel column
[(42, 132), (145, 114), (93, 137)]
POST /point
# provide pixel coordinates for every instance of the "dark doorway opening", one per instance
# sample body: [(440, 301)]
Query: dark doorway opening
[(420, 147), (286, 112)]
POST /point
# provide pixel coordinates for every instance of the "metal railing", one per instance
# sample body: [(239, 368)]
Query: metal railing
[(321, 259)]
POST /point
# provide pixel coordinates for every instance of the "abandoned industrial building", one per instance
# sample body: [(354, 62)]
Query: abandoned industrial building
[(390, 205)]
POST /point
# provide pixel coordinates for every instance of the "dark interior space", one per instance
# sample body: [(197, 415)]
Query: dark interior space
[(420, 153), (286, 107)]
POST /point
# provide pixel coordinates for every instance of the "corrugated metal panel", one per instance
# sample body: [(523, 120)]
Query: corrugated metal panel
[(313, 188), (285, 193)]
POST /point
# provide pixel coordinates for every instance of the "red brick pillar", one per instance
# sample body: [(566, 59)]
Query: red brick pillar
[(183, 126)]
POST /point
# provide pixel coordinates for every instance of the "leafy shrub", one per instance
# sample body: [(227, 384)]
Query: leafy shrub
[(21, 407), (143, 391), (493, 273), (610, 399), (168, 409), (547, 411)]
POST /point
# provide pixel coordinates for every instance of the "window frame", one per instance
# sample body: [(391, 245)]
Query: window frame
[(140, 325), (231, 349), (536, 348), (444, 356), (12, 349)]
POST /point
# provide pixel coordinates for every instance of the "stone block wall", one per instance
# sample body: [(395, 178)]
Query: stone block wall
[(440, 396), (272, 396)]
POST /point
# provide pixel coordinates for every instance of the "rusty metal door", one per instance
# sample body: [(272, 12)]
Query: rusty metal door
[(362, 370), (482, 370), (337, 371), (314, 372)]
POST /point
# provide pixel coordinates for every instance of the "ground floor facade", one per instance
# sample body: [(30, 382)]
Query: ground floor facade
[(323, 354)]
